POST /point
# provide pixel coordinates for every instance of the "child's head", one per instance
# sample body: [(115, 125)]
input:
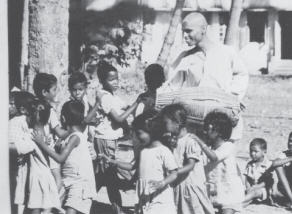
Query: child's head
[(45, 87), (22, 102), (174, 117), (141, 127), (77, 84), (38, 113), (258, 149), (154, 76), (108, 76), (12, 108), (72, 113), (217, 125)]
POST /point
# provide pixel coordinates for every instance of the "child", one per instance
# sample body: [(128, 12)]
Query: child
[(17, 124), (223, 175), (154, 78), (77, 84), (45, 88), (113, 127), (284, 173), (77, 169), (156, 170), (258, 178), (190, 192), (36, 189)]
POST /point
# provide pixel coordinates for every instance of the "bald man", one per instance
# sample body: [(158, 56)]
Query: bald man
[(208, 64)]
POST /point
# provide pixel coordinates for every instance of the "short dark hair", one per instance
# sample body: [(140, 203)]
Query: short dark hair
[(176, 113), (42, 108), (154, 76), (140, 122), (73, 113), (259, 142), (76, 77), (43, 81), (103, 70), (220, 122), (23, 99)]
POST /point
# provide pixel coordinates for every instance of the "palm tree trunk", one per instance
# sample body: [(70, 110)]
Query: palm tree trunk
[(231, 37), (171, 33)]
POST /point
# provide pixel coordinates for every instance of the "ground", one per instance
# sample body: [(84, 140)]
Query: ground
[(268, 115)]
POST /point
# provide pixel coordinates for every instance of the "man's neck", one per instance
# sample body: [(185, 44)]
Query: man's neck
[(206, 44)]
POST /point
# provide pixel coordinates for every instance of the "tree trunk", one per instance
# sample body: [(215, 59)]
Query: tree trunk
[(231, 37), (170, 36), (24, 43), (48, 39)]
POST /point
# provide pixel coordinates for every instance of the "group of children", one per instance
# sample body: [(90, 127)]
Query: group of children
[(62, 163)]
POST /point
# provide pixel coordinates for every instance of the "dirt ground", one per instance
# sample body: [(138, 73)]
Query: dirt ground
[(268, 115)]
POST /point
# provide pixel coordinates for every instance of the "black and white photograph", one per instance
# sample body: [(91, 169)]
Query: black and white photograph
[(146, 106)]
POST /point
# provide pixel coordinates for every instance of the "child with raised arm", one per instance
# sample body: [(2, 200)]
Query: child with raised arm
[(36, 188), (226, 188), (77, 169), (112, 128), (45, 88), (190, 190)]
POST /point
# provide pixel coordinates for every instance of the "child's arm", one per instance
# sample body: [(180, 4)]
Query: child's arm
[(122, 117), (60, 158), (283, 179), (209, 152), (61, 133), (159, 185), (119, 164), (280, 162), (189, 166)]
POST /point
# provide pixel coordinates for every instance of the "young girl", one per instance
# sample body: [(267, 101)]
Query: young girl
[(36, 188), (223, 175), (112, 128), (190, 192), (77, 169), (156, 168)]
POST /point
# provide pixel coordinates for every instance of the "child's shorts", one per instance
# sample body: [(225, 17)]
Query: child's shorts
[(76, 199)]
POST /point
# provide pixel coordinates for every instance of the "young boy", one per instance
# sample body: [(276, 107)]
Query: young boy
[(258, 176), (154, 78), (77, 84), (45, 88)]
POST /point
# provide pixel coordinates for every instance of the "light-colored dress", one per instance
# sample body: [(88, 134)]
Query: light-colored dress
[(35, 185), (154, 165), (78, 176), (224, 180), (191, 193)]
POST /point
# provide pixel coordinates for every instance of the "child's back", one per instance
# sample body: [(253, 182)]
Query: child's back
[(154, 164), (78, 169)]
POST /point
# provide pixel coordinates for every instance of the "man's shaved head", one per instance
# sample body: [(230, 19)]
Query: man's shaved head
[(194, 20), (194, 26)]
